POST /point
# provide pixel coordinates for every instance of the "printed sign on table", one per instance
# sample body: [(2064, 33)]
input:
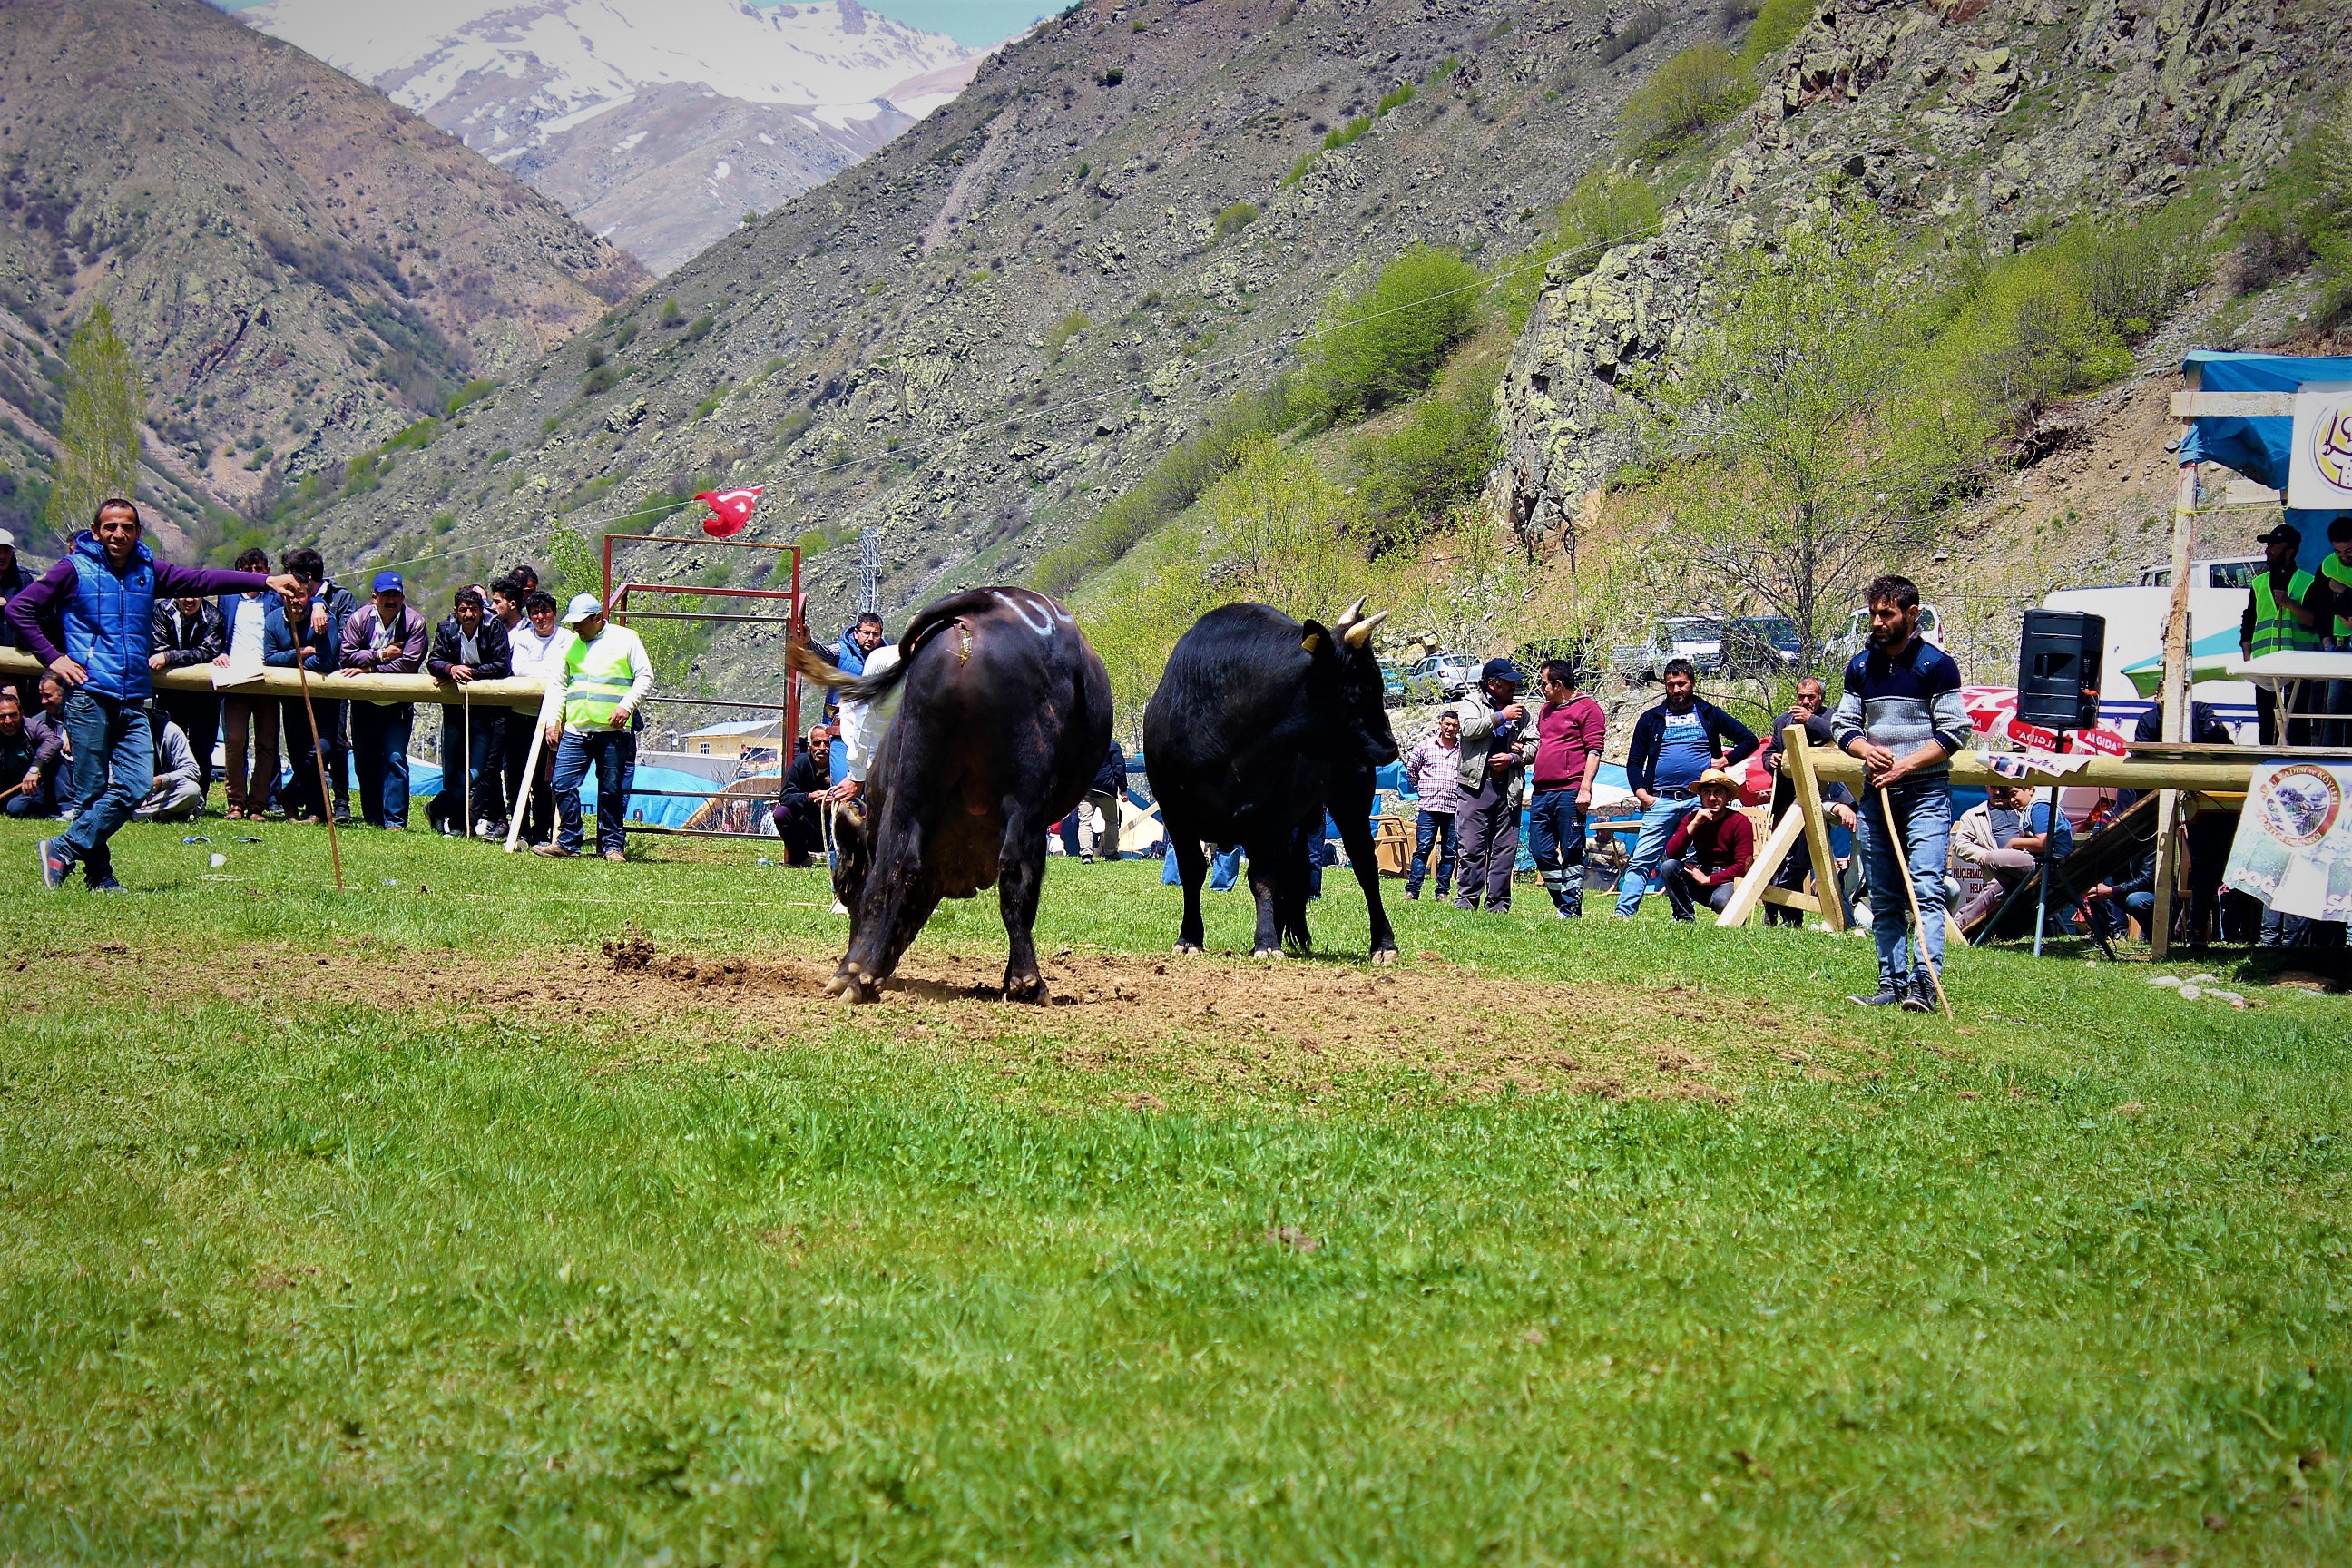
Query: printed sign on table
[(2319, 475), (2293, 848)]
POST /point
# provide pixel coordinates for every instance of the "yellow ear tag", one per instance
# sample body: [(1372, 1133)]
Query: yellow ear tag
[(1313, 642)]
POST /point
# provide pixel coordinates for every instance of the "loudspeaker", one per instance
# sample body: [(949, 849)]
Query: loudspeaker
[(2058, 660)]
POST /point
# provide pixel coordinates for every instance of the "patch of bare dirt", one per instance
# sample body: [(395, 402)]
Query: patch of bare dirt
[(1199, 1021)]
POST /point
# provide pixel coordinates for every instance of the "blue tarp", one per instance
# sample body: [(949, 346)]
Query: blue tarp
[(2260, 448)]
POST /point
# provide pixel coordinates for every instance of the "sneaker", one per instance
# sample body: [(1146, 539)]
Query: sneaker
[(1920, 998), (1412, 896), (1888, 994), (54, 866), (108, 885), (618, 857), (555, 851), (1086, 859)]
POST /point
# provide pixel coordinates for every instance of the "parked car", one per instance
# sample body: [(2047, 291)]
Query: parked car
[(2221, 572), (1698, 639), (1842, 648), (1759, 644), (1452, 673)]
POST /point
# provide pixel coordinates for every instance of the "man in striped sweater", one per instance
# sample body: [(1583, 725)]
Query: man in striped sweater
[(1902, 715)]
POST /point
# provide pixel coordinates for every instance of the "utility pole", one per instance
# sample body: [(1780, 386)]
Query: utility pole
[(869, 573)]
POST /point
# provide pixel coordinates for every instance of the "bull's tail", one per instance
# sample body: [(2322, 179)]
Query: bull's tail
[(810, 665)]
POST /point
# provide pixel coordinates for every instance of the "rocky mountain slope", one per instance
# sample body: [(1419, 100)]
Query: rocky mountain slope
[(973, 340), (1989, 123), (657, 123), (300, 269)]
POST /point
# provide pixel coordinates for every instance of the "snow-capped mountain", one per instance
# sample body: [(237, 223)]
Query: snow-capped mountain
[(659, 124)]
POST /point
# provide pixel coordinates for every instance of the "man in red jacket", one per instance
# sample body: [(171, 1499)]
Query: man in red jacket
[(1710, 851)]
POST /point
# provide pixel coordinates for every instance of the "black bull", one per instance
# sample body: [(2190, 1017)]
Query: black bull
[(1003, 718), (1259, 726)]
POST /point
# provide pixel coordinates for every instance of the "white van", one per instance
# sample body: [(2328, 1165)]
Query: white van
[(2135, 619)]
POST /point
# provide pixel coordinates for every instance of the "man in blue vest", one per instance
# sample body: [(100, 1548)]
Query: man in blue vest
[(102, 595)]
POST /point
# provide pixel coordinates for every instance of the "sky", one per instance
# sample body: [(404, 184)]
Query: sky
[(974, 22)]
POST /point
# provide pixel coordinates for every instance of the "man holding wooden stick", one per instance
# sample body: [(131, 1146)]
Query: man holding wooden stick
[(1901, 716)]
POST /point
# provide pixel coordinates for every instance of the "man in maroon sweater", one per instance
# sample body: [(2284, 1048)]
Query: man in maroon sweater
[(1710, 849)]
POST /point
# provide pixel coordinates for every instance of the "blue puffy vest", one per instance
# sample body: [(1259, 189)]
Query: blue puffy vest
[(108, 622)]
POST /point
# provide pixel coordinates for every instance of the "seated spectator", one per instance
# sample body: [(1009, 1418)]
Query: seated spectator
[(178, 791), (26, 789), (469, 645), (2016, 835), (53, 747), (800, 817), (1710, 848), (188, 634), (2129, 898)]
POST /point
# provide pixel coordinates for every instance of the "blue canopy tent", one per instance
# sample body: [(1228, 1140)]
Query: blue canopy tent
[(2260, 448)]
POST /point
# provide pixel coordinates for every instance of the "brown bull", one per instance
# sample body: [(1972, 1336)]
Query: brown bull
[(1003, 716)]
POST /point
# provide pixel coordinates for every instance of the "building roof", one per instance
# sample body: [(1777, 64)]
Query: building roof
[(739, 727)]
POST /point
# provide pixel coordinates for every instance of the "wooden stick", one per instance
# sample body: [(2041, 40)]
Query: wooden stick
[(530, 781), (318, 760), (2178, 637), (1911, 892)]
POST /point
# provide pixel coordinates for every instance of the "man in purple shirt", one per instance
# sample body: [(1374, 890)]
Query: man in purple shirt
[(383, 636), (102, 597)]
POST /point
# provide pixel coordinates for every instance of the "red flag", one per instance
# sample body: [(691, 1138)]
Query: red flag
[(731, 510)]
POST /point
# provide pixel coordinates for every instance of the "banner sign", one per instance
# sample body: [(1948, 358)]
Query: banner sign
[(2293, 848), (2319, 474)]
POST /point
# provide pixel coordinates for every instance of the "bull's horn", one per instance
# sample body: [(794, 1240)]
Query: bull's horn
[(1360, 633), (1347, 617)]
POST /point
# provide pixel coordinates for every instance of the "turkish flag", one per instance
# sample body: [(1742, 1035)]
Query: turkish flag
[(731, 510)]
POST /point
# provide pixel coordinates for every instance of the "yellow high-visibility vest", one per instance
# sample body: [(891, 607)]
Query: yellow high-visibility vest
[(2275, 628), (597, 676), (2338, 572)]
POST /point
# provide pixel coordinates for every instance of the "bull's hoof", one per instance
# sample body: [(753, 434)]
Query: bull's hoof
[(1266, 952), (1386, 955), (1188, 947), (852, 986), (1030, 989)]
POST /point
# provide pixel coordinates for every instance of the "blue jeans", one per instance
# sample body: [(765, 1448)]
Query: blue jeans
[(1922, 810), (613, 753), (1225, 868), (1431, 829), (1658, 825), (1556, 839), (380, 757), (473, 764), (113, 769)]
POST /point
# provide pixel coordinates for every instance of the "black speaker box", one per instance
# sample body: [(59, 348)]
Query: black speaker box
[(2058, 659)]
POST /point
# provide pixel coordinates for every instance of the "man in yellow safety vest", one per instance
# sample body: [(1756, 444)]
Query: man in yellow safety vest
[(597, 674), (2336, 569), (2283, 615)]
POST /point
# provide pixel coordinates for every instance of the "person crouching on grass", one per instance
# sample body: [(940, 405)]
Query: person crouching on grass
[(1901, 716), (1710, 849), (103, 596)]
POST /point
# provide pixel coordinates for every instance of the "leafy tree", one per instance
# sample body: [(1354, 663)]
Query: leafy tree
[(1607, 208), (1382, 344), (98, 449), (1791, 456), (1409, 477)]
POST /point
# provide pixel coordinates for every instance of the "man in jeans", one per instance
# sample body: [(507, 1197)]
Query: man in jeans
[(1496, 746), (602, 672), (103, 595), (1570, 730), (1433, 766), (383, 636), (1673, 744), (469, 645), (1901, 716)]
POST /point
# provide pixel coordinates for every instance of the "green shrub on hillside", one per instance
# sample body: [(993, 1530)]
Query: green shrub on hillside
[(1396, 98), (1694, 92), (1172, 485), (1776, 22), (1606, 208), (1380, 343), (2303, 217), (1340, 136), (1409, 477), (1235, 218), (1068, 326)]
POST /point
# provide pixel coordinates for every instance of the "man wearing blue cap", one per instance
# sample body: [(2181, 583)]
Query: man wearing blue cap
[(102, 596), (382, 637), (1497, 743)]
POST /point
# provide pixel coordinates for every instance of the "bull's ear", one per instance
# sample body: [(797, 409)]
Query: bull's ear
[(1317, 639)]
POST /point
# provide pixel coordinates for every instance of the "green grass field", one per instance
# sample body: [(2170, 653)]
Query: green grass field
[(400, 1227)]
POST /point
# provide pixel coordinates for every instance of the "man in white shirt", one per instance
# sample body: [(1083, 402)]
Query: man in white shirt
[(600, 673), (863, 725), (529, 617)]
